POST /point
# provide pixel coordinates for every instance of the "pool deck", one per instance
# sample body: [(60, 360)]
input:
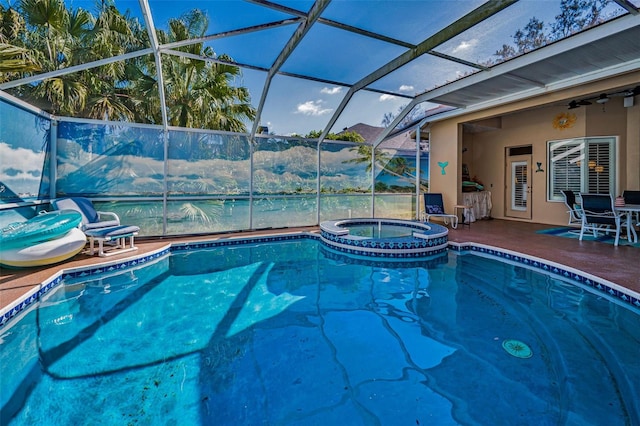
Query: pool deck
[(619, 265)]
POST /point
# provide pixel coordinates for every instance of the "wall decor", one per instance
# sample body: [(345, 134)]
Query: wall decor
[(564, 120), (442, 165)]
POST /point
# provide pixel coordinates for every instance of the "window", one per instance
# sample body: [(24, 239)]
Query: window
[(581, 165)]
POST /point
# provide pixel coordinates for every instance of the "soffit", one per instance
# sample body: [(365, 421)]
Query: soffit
[(581, 61)]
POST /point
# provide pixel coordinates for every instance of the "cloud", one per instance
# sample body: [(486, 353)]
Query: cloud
[(20, 169), (465, 45), (406, 88), (331, 90), (312, 108), (386, 97)]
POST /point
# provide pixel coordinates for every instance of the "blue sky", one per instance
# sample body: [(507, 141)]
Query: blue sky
[(298, 106)]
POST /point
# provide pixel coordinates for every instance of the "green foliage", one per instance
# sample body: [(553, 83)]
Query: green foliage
[(342, 136), (48, 35)]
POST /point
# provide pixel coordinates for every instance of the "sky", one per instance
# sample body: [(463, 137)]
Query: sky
[(298, 106)]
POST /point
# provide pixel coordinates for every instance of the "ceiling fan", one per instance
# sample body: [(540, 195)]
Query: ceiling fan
[(578, 104), (603, 98)]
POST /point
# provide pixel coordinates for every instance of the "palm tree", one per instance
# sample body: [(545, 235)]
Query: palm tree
[(399, 167), (111, 95), (396, 166), (14, 57), (199, 94), (364, 156), (47, 36), (51, 32)]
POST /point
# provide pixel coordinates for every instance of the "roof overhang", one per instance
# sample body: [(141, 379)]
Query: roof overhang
[(606, 51)]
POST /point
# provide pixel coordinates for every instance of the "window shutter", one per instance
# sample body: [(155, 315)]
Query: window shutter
[(581, 165), (520, 187), (599, 173), (566, 159)]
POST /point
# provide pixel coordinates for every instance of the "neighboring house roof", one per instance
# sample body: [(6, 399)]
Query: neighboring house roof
[(401, 142)]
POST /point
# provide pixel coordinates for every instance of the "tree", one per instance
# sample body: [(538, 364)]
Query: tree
[(415, 114), (342, 136), (199, 94), (47, 36), (364, 156), (574, 16), (395, 166), (14, 58)]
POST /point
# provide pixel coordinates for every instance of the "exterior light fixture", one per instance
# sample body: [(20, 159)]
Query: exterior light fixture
[(603, 99)]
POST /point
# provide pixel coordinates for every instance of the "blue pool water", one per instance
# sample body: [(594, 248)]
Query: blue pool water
[(290, 333), (383, 231)]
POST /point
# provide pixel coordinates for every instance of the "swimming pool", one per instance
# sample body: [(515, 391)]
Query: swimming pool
[(290, 332)]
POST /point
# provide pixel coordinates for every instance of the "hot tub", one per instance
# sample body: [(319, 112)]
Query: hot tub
[(384, 238)]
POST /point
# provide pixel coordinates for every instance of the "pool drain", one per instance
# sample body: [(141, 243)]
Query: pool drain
[(517, 348)]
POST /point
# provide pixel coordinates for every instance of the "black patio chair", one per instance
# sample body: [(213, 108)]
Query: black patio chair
[(575, 215), (599, 214)]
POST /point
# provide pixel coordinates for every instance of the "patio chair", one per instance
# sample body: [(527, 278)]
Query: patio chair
[(575, 214), (599, 214), (91, 218), (632, 197), (434, 207)]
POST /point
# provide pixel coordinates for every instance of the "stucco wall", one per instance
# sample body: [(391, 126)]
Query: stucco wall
[(632, 159), (447, 150)]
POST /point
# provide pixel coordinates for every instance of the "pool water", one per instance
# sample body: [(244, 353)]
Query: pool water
[(284, 334), (379, 231)]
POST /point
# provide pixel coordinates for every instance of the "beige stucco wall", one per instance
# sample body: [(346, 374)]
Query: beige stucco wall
[(483, 147), (632, 159), (446, 151)]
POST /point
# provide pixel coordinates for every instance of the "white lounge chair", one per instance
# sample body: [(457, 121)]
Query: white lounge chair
[(91, 218), (100, 227)]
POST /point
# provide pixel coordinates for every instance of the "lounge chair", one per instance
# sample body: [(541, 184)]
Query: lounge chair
[(434, 207), (114, 234), (91, 218), (599, 214), (575, 214), (100, 227)]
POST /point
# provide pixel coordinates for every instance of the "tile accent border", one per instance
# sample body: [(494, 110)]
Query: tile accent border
[(424, 240), (20, 306)]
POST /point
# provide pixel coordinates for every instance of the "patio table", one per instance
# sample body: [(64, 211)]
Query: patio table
[(628, 210)]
